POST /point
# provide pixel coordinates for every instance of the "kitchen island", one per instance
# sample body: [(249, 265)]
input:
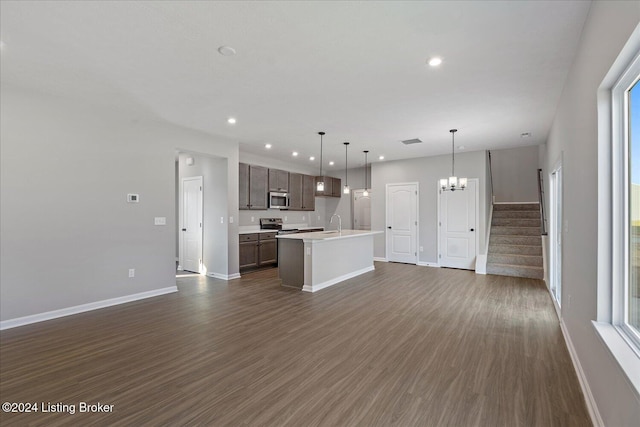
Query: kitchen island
[(314, 261)]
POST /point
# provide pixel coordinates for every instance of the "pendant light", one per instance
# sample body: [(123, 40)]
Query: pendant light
[(346, 180), (366, 191), (320, 184), (453, 183)]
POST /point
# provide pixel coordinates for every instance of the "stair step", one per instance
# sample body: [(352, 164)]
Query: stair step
[(515, 240), (512, 259), (516, 222), (515, 271), (516, 214), (516, 207), (515, 231), (515, 249)]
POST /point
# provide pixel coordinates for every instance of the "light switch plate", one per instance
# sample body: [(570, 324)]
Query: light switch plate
[(133, 198), (160, 220)]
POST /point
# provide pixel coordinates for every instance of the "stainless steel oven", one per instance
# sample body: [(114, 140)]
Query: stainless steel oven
[(278, 200)]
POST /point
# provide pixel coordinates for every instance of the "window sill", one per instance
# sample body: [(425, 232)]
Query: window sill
[(622, 352)]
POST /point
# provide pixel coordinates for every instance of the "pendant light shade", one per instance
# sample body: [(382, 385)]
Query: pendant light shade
[(453, 183), (366, 187), (346, 189), (320, 183)]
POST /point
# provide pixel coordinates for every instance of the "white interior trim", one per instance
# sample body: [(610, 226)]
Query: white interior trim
[(596, 419), (380, 259), (224, 276), (49, 315), (319, 286), (429, 264)]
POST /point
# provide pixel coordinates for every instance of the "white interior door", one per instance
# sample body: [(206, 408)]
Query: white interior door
[(361, 210), (555, 235), (191, 231), (458, 227), (402, 222)]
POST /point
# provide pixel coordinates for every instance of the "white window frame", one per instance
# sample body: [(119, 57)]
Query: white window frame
[(621, 340)]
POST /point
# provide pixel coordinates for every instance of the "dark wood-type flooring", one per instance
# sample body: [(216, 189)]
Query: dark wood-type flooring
[(399, 346)]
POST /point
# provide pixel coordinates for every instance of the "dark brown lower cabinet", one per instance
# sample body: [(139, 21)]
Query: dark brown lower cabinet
[(258, 250)]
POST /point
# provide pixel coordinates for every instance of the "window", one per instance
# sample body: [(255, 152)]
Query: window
[(631, 316), (618, 319)]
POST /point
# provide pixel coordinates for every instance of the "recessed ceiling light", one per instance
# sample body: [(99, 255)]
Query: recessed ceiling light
[(226, 51), (312, 158), (294, 154), (331, 163), (267, 146), (525, 135), (435, 61), (381, 158), (231, 120)]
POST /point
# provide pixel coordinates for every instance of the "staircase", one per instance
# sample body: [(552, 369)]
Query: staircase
[(515, 245)]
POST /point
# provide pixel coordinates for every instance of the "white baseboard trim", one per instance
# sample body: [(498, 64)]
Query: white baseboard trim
[(338, 279), (596, 419), (380, 259), (428, 264), (224, 276), (481, 264), (49, 315)]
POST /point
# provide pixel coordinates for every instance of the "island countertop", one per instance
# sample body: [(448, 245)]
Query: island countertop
[(315, 260), (327, 235)]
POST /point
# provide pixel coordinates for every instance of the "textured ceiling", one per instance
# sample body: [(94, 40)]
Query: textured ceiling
[(355, 70)]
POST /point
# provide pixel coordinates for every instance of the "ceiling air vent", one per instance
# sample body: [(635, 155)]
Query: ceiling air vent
[(412, 141)]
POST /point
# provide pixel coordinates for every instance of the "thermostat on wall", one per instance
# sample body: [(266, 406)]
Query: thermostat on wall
[(133, 198)]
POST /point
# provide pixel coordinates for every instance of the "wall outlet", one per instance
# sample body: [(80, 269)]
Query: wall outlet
[(285, 217), (230, 220), (253, 218), (421, 248), (221, 220), (304, 217), (132, 272)]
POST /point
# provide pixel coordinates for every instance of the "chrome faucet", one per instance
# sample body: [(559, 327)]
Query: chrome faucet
[(339, 222)]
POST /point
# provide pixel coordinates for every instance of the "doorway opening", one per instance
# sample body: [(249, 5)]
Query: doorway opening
[(402, 223), (458, 226), (555, 232), (361, 209)]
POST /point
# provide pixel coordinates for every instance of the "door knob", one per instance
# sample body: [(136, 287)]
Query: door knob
[(184, 229), (389, 227), (472, 229)]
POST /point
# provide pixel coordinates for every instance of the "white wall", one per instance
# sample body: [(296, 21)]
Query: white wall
[(68, 234), (574, 137), (515, 174), (426, 171), (214, 205)]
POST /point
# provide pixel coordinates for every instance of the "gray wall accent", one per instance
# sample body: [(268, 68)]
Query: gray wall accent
[(426, 171), (515, 172), (68, 234), (343, 206), (214, 182), (574, 136)]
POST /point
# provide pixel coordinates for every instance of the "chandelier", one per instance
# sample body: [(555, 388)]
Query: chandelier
[(453, 183)]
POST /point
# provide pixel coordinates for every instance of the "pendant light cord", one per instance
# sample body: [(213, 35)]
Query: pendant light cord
[(346, 177), (321, 135), (365, 170), (453, 154)]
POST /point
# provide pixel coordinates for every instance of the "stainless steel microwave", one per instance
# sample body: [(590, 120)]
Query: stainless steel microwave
[(278, 200)]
